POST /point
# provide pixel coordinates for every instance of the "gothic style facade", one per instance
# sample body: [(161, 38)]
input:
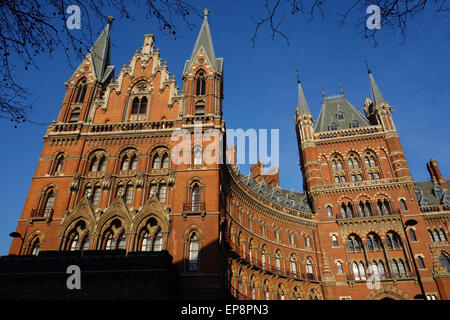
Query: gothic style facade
[(106, 182)]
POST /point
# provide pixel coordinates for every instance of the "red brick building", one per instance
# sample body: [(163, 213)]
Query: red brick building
[(106, 181)]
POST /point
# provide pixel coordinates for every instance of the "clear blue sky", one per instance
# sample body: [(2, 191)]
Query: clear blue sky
[(260, 85)]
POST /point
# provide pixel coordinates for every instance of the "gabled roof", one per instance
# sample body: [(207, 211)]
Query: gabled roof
[(329, 113), (204, 41)]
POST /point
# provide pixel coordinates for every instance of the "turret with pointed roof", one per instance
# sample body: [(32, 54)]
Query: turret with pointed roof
[(302, 106), (204, 41)]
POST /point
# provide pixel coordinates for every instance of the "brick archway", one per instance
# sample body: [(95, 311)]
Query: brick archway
[(388, 292)]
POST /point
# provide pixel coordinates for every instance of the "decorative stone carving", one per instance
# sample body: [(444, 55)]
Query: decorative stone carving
[(106, 183), (139, 179), (75, 184)]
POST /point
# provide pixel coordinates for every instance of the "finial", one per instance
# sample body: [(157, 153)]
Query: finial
[(367, 65), (298, 76), (206, 13), (110, 19), (342, 89)]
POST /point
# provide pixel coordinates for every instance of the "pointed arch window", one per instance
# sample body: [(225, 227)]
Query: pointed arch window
[(96, 195), (162, 192), (49, 201), (200, 84), (198, 156), (35, 247), (339, 267), (59, 164), (355, 271), (156, 162), (334, 240), (194, 253), (129, 194), (133, 162), (138, 108), (85, 242), (94, 164), (146, 244), (75, 244), (395, 268), (329, 211), (125, 163), (381, 270), (81, 91), (196, 198), (263, 257), (165, 161), (278, 261), (362, 271), (444, 261), (442, 235), (102, 164), (403, 204), (293, 265), (157, 243), (110, 243), (309, 269)]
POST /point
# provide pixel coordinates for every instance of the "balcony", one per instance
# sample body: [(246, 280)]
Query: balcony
[(375, 214), (41, 214), (194, 208)]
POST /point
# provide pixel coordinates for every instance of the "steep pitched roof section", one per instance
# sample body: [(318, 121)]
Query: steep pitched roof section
[(339, 110), (100, 54), (377, 97), (302, 107), (204, 41)]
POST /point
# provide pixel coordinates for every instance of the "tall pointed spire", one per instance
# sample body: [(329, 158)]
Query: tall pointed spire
[(204, 41), (302, 106), (101, 53), (377, 97)]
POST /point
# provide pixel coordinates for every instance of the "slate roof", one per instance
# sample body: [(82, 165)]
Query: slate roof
[(426, 196), (101, 54), (302, 105), (329, 113), (290, 199), (204, 40), (377, 97)]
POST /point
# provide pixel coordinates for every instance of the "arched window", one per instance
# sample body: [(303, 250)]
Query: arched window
[(442, 236), (59, 164), (81, 91), (355, 271), (412, 235), (199, 108), (193, 253), (349, 210), (88, 192), (362, 271), (395, 268), (129, 194), (198, 156), (162, 192), (374, 268), (252, 288), (368, 209), (200, 84), (329, 211), (146, 244), (157, 243), (335, 240), (309, 269), (444, 261), (381, 270), (436, 235), (263, 257), (421, 262), (75, 243), (125, 163), (35, 247), (48, 203), (339, 267), (156, 162), (143, 106), (386, 207), (333, 126), (401, 268), (85, 242), (133, 162), (278, 261), (266, 290), (389, 243), (110, 243), (293, 265), (121, 241), (96, 195), (120, 191), (403, 204), (351, 245), (94, 164), (135, 106), (370, 246), (165, 161), (196, 198), (102, 164)]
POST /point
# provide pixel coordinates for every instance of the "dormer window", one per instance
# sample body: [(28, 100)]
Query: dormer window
[(333, 126), (340, 115), (354, 124)]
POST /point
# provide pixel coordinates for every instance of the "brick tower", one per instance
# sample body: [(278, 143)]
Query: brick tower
[(106, 179)]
